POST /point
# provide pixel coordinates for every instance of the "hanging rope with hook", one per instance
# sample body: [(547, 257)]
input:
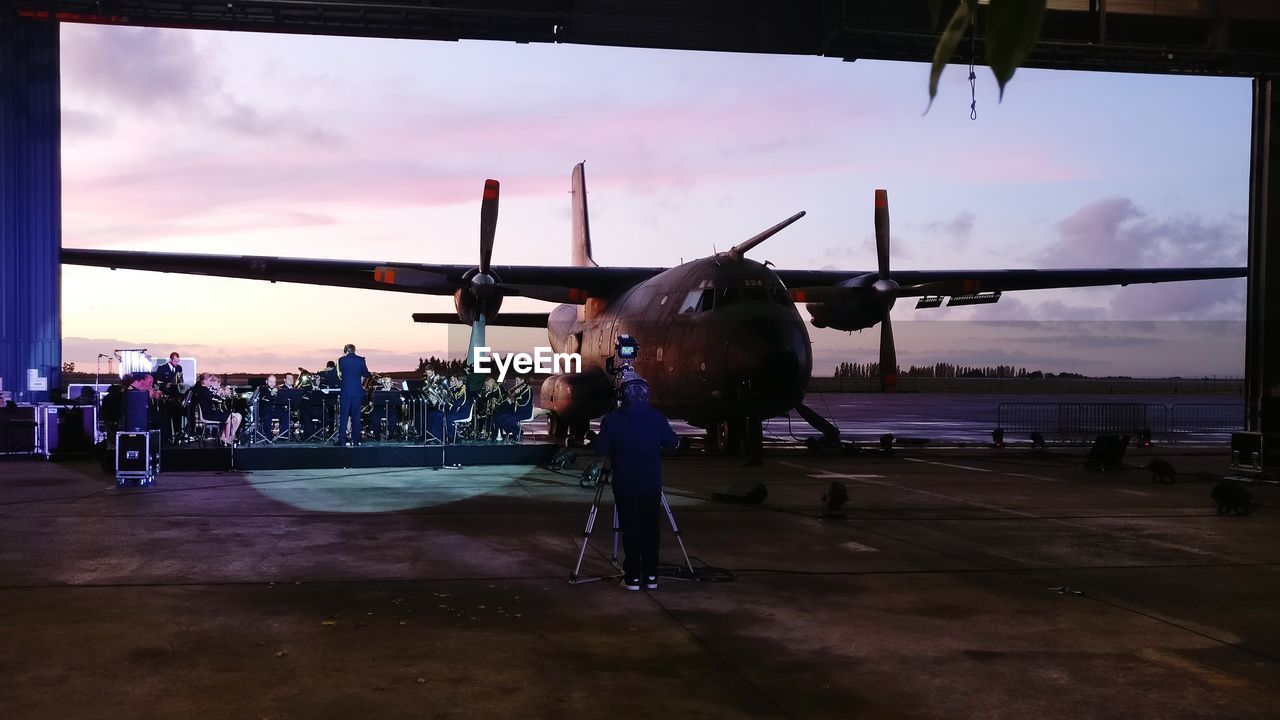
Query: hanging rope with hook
[(973, 77)]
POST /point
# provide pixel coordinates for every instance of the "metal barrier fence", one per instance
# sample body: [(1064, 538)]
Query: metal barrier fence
[(1207, 419), (1081, 422)]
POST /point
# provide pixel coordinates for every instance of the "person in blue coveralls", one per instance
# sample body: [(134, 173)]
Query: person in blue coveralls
[(632, 438)]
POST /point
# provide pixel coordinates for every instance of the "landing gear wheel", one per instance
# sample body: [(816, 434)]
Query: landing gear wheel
[(724, 437), (558, 429)]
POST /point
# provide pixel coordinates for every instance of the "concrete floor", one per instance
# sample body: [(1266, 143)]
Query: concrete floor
[(964, 584)]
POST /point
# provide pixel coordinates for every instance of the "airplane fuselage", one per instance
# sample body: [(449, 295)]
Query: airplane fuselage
[(719, 338)]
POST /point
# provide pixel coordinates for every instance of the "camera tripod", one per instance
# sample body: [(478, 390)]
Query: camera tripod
[(575, 578)]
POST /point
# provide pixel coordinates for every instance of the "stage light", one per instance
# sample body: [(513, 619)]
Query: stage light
[(1037, 441), (997, 437), (833, 501), (886, 442), (1144, 437), (562, 459)]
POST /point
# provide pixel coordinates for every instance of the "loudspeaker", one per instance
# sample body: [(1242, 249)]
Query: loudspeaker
[(746, 491), (1107, 452), (137, 403)]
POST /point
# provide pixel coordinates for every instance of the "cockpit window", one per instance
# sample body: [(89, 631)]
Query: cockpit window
[(698, 301)]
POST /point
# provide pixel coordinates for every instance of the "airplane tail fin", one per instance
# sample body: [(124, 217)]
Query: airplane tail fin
[(581, 227)]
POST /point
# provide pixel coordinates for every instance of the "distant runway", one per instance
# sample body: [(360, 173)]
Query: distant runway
[(947, 418), (951, 418)]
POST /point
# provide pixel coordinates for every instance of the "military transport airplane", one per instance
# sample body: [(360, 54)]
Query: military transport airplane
[(721, 341)]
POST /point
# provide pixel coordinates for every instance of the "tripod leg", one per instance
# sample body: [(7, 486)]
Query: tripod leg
[(674, 529), (617, 532), (586, 536)]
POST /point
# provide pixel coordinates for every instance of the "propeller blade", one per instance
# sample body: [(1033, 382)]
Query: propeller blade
[(488, 223), (888, 357), (882, 233)]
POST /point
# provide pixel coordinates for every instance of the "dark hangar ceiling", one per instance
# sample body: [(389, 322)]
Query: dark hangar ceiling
[(1203, 37)]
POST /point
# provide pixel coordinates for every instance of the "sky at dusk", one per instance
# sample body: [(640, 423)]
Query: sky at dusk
[(378, 149)]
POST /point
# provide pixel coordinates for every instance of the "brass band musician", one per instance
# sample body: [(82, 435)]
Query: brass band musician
[(487, 401), (143, 382), (212, 398), (516, 406), (169, 380), (329, 376), (169, 374), (457, 406), (272, 407)]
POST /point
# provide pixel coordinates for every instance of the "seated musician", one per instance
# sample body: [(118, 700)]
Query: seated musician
[(211, 397), (329, 376), (272, 408), (458, 407), (517, 406), (112, 408), (487, 401), (289, 382), (145, 382)]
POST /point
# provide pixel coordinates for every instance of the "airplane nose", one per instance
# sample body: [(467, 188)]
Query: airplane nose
[(773, 356)]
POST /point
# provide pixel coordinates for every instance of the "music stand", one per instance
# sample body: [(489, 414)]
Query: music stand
[(290, 399)]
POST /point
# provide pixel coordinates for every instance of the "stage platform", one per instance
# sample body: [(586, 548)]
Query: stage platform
[(316, 456)]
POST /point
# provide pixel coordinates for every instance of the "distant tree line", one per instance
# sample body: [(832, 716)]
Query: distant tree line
[(442, 367), (946, 370)]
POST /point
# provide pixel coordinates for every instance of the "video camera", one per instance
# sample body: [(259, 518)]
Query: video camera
[(626, 349)]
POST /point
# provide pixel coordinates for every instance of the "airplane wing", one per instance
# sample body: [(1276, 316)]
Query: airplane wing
[(575, 284), (815, 284), (544, 282), (504, 319)]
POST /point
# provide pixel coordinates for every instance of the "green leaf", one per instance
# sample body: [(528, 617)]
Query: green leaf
[(1013, 26), (947, 43)]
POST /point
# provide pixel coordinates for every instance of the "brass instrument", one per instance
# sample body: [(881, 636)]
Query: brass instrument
[(221, 396), (372, 382), (307, 378), (437, 393), (519, 394)]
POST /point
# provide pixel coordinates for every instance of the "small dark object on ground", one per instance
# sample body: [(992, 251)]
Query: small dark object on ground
[(1162, 471), (1232, 498)]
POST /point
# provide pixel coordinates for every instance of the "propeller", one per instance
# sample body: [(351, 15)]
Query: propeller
[(886, 290), (485, 295)]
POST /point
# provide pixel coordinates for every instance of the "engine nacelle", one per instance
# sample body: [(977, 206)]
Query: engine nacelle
[(862, 302), (855, 311), (469, 305), (578, 396)]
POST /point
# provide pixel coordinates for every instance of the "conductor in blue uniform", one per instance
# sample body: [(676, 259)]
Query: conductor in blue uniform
[(633, 438), (352, 372)]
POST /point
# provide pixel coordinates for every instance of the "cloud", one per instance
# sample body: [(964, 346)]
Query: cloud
[(1116, 232), (143, 68), (83, 352), (79, 123), (159, 72), (958, 228)]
